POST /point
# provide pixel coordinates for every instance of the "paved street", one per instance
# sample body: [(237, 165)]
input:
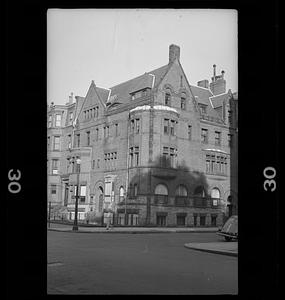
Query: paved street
[(80, 263)]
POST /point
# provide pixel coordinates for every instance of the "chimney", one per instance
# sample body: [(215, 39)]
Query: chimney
[(70, 98), (214, 72), (203, 83), (218, 84), (174, 52)]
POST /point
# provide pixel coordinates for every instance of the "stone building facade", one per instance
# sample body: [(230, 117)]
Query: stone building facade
[(154, 150)]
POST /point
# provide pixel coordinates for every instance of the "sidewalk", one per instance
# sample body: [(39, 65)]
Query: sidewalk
[(68, 228), (225, 248)]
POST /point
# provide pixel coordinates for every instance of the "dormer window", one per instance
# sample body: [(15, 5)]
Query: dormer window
[(203, 109), (140, 94)]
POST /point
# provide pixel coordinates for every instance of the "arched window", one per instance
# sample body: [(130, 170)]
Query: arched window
[(215, 193), (199, 191), (101, 199), (181, 190), (161, 189), (121, 192), (183, 101), (167, 97), (135, 189)]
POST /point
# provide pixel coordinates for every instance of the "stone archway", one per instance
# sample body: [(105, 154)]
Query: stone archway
[(99, 198)]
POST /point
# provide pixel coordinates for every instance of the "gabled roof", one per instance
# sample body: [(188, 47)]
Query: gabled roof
[(103, 93), (218, 100), (202, 94), (123, 90)]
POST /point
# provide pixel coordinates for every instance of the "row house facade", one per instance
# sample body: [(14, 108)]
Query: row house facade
[(154, 150)]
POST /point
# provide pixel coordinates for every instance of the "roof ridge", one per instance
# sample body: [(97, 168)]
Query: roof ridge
[(146, 73), (200, 87), (226, 93)]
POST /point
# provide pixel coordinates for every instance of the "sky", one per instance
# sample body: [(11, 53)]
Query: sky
[(111, 46)]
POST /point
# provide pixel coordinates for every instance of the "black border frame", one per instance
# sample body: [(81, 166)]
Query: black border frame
[(25, 100)]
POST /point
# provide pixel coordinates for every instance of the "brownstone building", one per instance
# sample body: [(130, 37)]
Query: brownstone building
[(154, 150)]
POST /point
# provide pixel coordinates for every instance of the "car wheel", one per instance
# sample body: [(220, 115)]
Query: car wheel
[(228, 239)]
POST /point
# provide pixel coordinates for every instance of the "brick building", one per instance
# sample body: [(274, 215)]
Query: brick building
[(154, 150)]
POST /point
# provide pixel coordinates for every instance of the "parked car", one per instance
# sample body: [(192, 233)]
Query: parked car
[(230, 229)]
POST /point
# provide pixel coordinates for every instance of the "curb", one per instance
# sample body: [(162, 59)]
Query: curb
[(130, 232), (222, 252)]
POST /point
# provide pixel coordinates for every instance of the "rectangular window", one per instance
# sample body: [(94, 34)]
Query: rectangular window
[(134, 156), (116, 129), (183, 103), (88, 138), (96, 111), (230, 140), (53, 189), (48, 142), (56, 143), (203, 109), (204, 135), (218, 164), (165, 156), (93, 164), (82, 193), (77, 140), (213, 163), (161, 220), (169, 157), (208, 163), (49, 121), (167, 99), (70, 118), (132, 126), (172, 157), (106, 132), (69, 141), (172, 127), (230, 117), (137, 156), (217, 138), (166, 126), (180, 221), (137, 126), (57, 120), (189, 132), (55, 166)]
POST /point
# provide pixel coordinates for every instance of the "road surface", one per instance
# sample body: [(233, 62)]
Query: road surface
[(94, 263)]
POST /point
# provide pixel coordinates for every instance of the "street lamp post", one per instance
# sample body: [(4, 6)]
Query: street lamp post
[(75, 225)]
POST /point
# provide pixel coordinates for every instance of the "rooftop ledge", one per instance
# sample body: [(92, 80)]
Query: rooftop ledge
[(156, 107)]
